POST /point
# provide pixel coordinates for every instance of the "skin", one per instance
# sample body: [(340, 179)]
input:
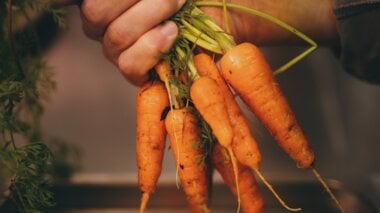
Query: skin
[(133, 36)]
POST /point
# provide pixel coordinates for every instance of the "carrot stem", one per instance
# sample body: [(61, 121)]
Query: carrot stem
[(327, 188), (275, 21), (196, 39), (270, 187), (182, 55), (195, 31), (225, 15)]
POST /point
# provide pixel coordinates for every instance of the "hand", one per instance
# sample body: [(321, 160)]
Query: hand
[(130, 31), (133, 38)]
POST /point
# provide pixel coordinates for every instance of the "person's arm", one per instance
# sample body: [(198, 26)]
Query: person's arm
[(314, 18), (133, 37)]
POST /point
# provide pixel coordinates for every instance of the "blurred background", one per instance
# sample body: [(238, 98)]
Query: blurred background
[(93, 108)]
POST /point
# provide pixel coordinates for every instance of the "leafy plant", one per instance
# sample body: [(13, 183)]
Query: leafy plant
[(25, 81)]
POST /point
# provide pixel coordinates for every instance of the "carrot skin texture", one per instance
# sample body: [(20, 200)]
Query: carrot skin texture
[(209, 101), (244, 144), (246, 70), (250, 196), (185, 141), (151, 101)]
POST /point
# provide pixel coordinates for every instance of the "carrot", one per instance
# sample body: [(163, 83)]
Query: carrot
[(151, 101), (251, 199), (246, 70), (209, 101), (186, 144), (244, 144)]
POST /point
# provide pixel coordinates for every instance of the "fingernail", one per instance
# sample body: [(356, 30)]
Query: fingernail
[(169, 29)]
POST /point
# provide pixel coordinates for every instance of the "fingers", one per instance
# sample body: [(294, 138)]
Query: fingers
[(135, 62), (98, 14), (130, 32), (132, 24)]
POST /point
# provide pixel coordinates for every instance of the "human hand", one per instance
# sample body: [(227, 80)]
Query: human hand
[(133, 37), (130, 31)]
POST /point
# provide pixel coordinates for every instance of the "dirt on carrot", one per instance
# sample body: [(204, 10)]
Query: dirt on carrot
[(247, 71), (251, 199), (244, 144), (151, 102), (189, 151)]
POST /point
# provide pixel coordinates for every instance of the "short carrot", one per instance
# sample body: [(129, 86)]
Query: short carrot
[(251, 199), (209, 100), (246, 70), (187, 147), (244, 144), (151, 102)]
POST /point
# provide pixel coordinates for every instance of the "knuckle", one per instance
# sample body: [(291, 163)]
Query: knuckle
[(93, 15), (126, 67), (167, 7), (116, 36), (132, 72)]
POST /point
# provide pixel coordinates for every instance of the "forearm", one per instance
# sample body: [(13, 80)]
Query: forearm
[(315, 18)]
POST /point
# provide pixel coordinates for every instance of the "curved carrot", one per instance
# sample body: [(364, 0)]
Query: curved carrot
[(186, 144), (210, 102), (251, 199), (246, 70), (151, 101), (244, 144)]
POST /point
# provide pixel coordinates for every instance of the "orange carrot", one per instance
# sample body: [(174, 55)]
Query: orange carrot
[(251, 199), (209, 101), (246, 70), (187, 147), (244, 145), (151, 102)]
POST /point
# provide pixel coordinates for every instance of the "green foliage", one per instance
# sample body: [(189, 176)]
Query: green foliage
[(29, 164), (25, 81)]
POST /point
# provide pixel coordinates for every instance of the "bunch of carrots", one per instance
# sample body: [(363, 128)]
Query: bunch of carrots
[(192, 101)]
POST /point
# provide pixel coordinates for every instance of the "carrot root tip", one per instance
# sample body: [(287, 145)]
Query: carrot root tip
[(327, 188), (144, 201), (270, 187)]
